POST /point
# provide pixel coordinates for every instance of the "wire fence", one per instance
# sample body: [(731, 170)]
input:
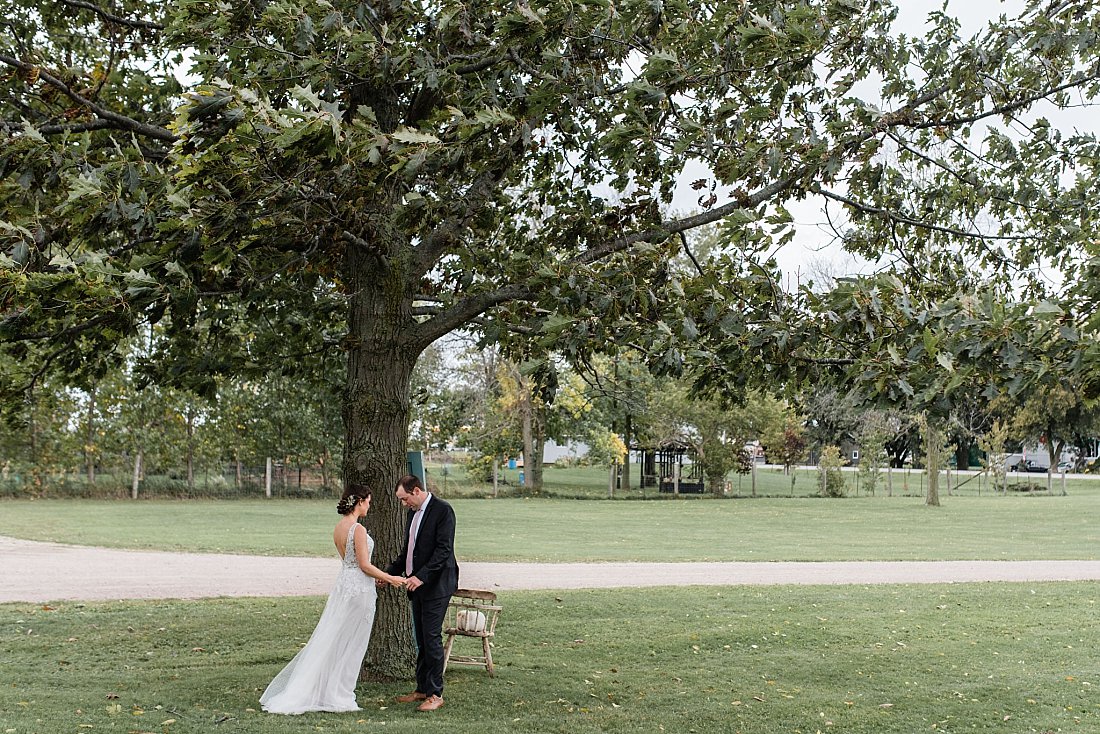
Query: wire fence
[(223, 482), (451, 479)]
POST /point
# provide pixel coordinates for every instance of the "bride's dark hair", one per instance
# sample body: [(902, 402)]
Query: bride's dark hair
[(353, 495)]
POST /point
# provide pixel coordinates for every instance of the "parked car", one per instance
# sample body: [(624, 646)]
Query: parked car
[(1033, 463)]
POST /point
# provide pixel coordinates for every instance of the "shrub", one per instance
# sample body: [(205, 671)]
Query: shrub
[(831, 482)]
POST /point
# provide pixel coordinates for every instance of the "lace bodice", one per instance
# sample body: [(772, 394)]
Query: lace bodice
[(352, 581)]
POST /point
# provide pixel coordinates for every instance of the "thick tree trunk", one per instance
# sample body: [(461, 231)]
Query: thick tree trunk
[(527, 430), (534, 441), (962, 454), (537, 458), (376, 408)]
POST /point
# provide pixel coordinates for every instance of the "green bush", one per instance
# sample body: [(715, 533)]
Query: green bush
[(831, 482)]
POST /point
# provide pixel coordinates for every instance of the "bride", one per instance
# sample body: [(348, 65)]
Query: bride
[(322, 676)]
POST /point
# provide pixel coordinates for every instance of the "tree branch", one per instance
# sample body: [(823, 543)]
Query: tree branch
[(1008, 107), (117, 20), (902, 219), (120, 121), (61, 129), (477, 194), (468, 309)]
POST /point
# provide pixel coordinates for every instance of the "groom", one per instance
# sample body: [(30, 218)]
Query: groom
[(427, 560)]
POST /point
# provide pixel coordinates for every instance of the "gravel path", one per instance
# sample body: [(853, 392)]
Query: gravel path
[(42, 572)]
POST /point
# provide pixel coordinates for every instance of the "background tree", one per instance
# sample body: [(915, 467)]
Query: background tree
[(830, 476), (936, 449), (1052, 417), (832, 415), (785, 443), (992, 444), (873, 456)]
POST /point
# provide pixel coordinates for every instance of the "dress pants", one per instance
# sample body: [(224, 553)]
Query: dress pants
[(428, 616)]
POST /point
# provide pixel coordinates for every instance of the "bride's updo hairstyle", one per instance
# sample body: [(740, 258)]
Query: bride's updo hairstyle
[(353, 495)]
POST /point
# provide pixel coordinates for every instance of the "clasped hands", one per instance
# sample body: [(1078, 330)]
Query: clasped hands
[(395, 581), (412, 583)]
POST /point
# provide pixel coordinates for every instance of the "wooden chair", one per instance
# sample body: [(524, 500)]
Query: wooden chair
[(471, 613)]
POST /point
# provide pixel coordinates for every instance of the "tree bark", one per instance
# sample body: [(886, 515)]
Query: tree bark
[(190, 451), (137, 474), (625, 486), (381, 353), (934, 451), (533, 439), (325, 457), (89, 438), (962, 453)]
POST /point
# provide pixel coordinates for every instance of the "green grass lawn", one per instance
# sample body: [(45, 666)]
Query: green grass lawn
[(882, 660), (1012, 527)]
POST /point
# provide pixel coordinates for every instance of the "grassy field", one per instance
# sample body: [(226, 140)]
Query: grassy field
[(591, 482), (1012, 527), (986, 658)]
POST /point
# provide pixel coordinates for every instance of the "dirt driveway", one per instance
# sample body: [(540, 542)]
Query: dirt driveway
[(41, 572)]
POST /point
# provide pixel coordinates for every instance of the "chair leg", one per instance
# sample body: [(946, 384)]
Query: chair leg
[(447, 651), (488, 656)]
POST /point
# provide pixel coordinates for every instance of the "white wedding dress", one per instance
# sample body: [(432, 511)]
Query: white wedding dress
[(322, 676)]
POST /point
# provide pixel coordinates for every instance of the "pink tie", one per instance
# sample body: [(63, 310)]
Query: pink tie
[(414, 527)]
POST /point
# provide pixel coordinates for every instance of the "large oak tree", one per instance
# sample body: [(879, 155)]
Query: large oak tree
[(277, 183)]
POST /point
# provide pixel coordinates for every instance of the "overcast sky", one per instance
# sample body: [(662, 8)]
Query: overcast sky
[(813, 243)]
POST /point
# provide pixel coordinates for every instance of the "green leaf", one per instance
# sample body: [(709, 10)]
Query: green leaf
[(1046, 308), (306, 96), (406, 135)]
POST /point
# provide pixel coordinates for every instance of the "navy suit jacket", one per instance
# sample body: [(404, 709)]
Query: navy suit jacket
[(434, 553)]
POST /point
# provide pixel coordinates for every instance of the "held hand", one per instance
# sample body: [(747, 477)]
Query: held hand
[(412, 583), (396, 581)]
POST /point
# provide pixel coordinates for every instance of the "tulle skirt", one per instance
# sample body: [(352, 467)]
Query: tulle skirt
[(322, 676)]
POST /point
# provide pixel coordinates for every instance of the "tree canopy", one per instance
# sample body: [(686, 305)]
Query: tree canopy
[(275, 184)]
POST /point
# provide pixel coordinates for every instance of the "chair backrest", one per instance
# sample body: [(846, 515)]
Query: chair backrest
[(475, 612)]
